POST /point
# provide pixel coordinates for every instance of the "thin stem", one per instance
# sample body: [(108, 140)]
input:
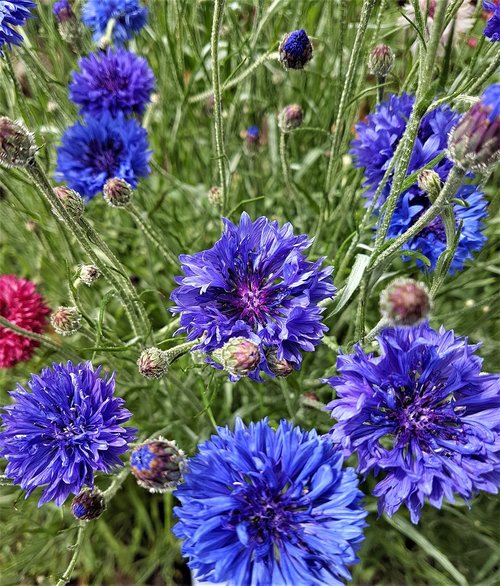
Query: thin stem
[(115, 486), (359, 330), (285, 165), (208, 408), (219, 134), (151, 233), (373, 333), (66, 577)]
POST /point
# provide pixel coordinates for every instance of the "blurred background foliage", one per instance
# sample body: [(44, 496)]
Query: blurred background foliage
[(132, 543)]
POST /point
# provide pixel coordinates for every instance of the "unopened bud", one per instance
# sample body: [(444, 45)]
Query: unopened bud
[(17, 144), (252, 135), (405, 302), (66, 320), (71, 200), (280, 367), (153, 363), (238, 356), (295, 50), (88, 504), (290, 118), (117, 192), (157, 465), (429, 182), (381, 60), (89, 274), (215, 196)]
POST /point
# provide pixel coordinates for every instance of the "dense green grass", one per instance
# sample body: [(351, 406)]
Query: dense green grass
[(131, 543)]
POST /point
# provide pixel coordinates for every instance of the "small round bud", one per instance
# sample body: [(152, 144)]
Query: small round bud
[(215, 196), (157, 465), (429, 182), (153, 363), (117, 192), (290, 118), (89, 274), (295, 50), (238, 356), (405, 302), (17, 144), (66, 320), (280, 367), (71, 200), (88, 504), (381, 60), (252, 135)]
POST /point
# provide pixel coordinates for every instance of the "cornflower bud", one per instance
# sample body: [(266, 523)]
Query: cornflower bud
[(290, 118), (405, 302), (238, 356), (280, 367), (71, 200), (157, 465), (88, 504), (117, 192), (66, 320), (17, 144), (295, 50), (429, 182), (381, 61), (474, 144), (153, 363), (215, 196), (89, 274)]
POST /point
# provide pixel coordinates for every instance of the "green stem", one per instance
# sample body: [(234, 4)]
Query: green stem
[(359, 330), (180, 350), (66, 577), (373, 333), (285, 166), (219, 134), (115, 486)]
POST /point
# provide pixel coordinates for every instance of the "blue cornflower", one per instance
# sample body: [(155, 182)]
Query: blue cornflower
[(422, 414), (62, 11), (102, 148), (113, 81), (64, 430), (263, 506), (129, 16), (492, 29), (374, 148), (13, 13), (295, 50), (254, 283)]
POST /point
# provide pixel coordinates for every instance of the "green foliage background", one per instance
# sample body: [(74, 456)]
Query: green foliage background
[(132, 543)]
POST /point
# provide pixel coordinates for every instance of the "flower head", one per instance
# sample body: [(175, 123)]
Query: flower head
[(158, 465), (291, 117), (129, 17), (112, 81), (422, 414), (23, 306), (100, 149), (373, 149), (153, 363), (13, 13), (66, 320), (381, 60), (263, 506), (64, 430), (492, 29), (295, 50), (255, 283)]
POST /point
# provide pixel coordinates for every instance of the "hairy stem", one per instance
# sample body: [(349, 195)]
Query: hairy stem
[(66, 577)]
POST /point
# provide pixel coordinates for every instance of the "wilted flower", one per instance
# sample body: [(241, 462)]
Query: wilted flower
[(153, 363), (117, 192), (17, 144), (21, 304), (100, 149), (295, 50), (239, 356), (129, 17), (405, 302), (63, 431), (422, 414), (113, 81), (66, 320), (13, 13), (475, 141), (158, 465), (381, 60), (255, 283), (291, 117), (88, 504), (492, 29), (263, 506)]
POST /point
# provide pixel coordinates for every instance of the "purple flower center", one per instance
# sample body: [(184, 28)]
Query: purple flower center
[(106, 156), (436, 227)]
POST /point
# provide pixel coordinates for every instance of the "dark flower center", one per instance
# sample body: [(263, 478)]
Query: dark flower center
[(436, 227), (114, 83), (106, 156)]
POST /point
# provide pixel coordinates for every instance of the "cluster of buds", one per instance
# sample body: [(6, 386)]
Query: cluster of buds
[(474, 144), (66, 320), (17, 144), (71, 200), (89, 274), (290, 118), (295, 50), (88, 504), (381, 61), (157, 465), (117, 192), (239, 356), (405, 302)]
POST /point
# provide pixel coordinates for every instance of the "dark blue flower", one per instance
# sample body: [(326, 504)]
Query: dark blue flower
[(295, 50), (102, 148), (374, 148), (492, 29), (13, 13), (114, 81), (263, 506), (63, 431), (255, 283), (129, 16), (423, 414)]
